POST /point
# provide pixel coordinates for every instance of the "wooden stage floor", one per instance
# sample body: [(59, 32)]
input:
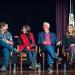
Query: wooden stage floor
[(59, 72)]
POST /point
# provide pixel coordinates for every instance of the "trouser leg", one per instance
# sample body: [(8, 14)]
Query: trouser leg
[(6, 54)]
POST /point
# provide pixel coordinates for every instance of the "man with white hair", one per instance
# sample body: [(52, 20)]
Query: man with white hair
[(47, 40)]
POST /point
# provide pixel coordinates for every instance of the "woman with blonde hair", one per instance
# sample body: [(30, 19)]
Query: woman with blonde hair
[(69, 43)]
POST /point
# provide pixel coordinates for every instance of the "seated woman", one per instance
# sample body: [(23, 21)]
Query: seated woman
[(27, 44), (6, 43), (69, 43)]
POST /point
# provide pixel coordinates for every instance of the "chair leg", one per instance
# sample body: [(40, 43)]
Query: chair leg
[(10, 65), (57, 63), (67, 57), (10, 62), (72, 58), (43, 62), (21, 64)]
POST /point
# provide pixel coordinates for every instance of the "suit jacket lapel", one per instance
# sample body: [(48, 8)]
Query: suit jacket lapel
[(44, 36), (50, 36)]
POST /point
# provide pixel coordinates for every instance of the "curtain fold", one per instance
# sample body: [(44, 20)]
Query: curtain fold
[(62, 12)]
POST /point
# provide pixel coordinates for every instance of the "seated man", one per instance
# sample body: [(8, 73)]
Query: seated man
[(6, 43), (48, 40)]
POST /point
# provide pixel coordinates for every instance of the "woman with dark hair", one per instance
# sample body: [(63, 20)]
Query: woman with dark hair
[(27, 44)]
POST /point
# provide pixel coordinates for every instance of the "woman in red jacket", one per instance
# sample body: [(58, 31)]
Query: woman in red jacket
[(27, 44)]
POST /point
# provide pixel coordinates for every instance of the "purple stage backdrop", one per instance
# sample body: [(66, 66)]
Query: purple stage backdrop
[(62, 12)]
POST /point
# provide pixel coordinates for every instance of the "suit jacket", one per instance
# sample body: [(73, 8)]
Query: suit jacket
[(41, 38), (26, 41)]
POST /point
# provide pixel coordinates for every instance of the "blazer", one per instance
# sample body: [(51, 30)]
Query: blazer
[(26, 41), (41, 38)]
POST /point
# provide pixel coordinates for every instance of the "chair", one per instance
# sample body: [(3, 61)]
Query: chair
[(64, 57), (10, 63), (23, 57), (42, 54)]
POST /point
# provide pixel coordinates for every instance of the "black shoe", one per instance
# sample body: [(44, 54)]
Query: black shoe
[(33, 66), (36, 65)]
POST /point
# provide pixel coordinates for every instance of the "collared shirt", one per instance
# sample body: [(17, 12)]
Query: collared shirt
[(6, 35), (47, 36)]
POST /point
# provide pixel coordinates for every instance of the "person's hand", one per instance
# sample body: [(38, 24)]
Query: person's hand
[(58, 43), (16, 36), (44, 42), (6, 40), (28, 48)]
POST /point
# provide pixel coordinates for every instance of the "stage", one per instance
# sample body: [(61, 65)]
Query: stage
[(34, 72)]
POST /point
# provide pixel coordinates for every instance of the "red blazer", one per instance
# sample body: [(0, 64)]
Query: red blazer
[(25, 41)]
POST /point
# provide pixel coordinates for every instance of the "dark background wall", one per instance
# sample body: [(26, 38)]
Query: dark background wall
[(32, 12)]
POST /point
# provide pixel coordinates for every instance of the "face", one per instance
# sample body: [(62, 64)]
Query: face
[(70, 29), (5, 28), (46, 26), (24, 30)]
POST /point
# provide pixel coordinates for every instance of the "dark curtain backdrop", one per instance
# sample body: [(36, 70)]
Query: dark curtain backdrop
[(34, 13), (62, 14), (31, 12)]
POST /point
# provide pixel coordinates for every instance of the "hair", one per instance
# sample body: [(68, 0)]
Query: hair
[(46, 23), (2, 24), (27, 28), (73, 32), (69, 26)]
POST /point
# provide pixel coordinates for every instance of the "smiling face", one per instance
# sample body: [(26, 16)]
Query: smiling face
[(70, 28), (46, 26)]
